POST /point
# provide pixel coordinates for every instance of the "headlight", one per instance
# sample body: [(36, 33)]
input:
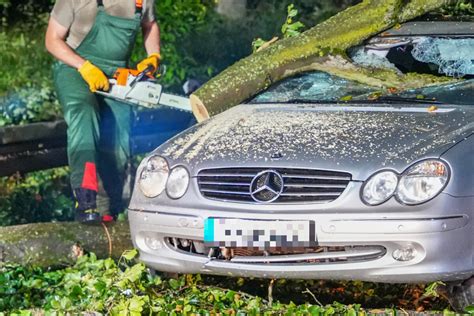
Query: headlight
[(380, 187), (178, 182), (422, 182), (153, 178)]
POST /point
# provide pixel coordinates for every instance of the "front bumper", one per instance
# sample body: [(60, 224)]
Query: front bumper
[(444, 244)]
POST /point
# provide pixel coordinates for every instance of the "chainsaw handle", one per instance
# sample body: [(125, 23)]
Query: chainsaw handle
[(148, 69), (141, 75)]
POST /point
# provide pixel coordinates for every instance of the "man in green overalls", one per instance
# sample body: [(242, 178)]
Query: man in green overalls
[(91, 39)]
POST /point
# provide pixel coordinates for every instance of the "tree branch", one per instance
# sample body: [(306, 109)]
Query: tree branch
[(293, 55)]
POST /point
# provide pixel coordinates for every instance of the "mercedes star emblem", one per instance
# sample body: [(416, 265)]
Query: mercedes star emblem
[(267, 186)]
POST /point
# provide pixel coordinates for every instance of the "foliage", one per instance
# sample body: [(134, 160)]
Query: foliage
[(291, 28), (29, 105), (125, 288), (461, 8), (432, 289), (24, 60), (41, 196), (288, 29), (24, 14), (176, 20)]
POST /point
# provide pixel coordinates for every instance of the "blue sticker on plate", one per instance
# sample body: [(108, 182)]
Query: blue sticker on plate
[(209, 230)]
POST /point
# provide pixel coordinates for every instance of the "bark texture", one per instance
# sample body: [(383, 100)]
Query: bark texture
[(311, 50), (57, 244)]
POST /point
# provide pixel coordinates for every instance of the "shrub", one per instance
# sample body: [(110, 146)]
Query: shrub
[(41, 196), (28, 105), (24, 60)]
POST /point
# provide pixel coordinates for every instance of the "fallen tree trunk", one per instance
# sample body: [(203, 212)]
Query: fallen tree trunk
[(57, 244), (293, 55)]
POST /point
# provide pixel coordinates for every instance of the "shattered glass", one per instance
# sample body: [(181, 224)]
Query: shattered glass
[(461, 93), (322, 87), (312, 86), (371, 58), (455, 57), (449, 56)]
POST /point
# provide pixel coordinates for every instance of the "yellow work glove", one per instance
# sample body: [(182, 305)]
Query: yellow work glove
[(153, 59), (94, 77)]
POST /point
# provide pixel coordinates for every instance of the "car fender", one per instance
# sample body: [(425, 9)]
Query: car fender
[(461, 160)]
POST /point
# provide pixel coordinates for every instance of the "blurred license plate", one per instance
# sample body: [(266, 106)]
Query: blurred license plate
[(262, 234)]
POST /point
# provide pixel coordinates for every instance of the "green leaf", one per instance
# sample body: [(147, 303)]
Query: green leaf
[(175, 284), (351, 312), (329, 311), (130, 254), (469, 309), (432, 289), (157, 281), (290, 28), (230, 295), (65, 303), (136, 304), (291, 10), (134, 273), (100, 286), (122, 217), (55, 304), (315, 310)]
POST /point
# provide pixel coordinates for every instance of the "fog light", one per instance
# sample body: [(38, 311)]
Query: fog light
[(153, 243), (404, 254)]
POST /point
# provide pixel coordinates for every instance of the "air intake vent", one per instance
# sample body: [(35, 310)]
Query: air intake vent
[(272, 185)]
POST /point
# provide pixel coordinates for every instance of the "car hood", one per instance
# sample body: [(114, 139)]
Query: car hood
[(359, 139)]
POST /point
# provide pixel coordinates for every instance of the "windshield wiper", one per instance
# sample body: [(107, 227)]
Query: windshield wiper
[(297, 101), (398, 99), (381, 99)]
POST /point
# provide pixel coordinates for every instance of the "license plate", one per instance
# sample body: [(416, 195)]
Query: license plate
[(261, 234)]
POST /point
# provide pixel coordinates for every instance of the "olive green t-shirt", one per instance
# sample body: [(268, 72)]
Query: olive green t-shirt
[(78, 16)]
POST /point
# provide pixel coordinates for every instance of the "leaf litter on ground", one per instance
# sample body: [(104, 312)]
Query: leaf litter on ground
[(127, 287)]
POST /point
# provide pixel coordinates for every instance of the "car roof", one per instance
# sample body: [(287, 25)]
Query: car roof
[(431, 28)]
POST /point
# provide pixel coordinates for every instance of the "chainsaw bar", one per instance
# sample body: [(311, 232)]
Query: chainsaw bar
[(161, 99), (130, 88)]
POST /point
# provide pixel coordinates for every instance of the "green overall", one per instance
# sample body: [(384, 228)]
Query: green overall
[(98, 127)]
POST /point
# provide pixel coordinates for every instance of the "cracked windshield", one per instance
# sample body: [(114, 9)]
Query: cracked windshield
[(450, 62)]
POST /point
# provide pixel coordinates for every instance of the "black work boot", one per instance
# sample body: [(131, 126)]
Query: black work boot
[(86, 206)]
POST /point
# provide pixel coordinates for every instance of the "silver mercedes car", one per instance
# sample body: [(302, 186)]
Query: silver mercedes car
[(321, 177)]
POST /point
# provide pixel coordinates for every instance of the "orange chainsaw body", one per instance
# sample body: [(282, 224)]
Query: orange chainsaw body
[(122, 74)]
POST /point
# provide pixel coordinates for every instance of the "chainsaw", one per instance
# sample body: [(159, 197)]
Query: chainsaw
[(140, 88)]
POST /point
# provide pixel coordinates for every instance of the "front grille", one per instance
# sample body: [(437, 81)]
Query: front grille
[(299, 185)]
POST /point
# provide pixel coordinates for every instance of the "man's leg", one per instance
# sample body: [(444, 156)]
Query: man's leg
[(81, 111), (114, 153)]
